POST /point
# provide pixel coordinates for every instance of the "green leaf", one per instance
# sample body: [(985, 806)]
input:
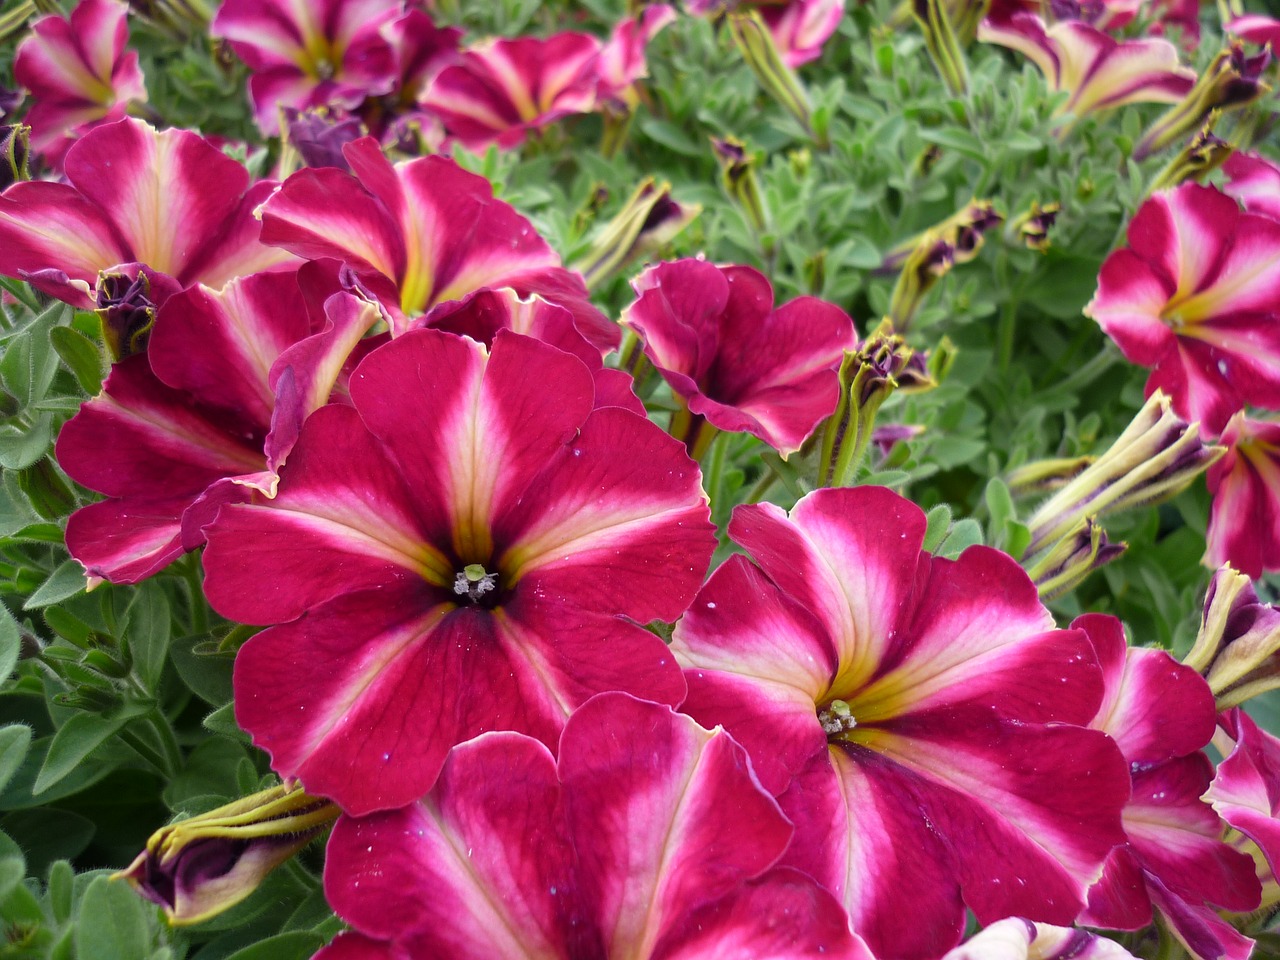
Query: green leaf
[(81, 355), (146, 631), (10, 643), (964, 534), (12, 870), (959, 140), (15, 740), (937, 523), (74, 741), (20, 449), (65, 582), (62, 880), (29, 363), (49, 834), (112, 923), (295, 945), (223, 721)]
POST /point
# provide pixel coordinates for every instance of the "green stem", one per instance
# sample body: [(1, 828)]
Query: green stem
[(146, 752), (199, 615), (168, 742), (713, 475), (1105, 359), (758, 492)]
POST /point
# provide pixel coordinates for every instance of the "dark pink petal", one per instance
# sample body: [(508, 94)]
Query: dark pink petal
[(235, 250), (1201, 929), (1131, 293), (470, 447), (1246, 790), (860, 834), (1256, 28), (781, 914), (756, 662), (354, 946), (1244, 525), (466, 873), (685, 820), (422, 50), (343, 521), (616, 388), (125, 541), (1119, 900), (801, 27), (1154, 708), (1254, 180), (621, 62), (480, 315), (616, 519)]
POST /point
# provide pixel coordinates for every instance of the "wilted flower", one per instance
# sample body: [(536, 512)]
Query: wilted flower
[(1156, 457), (168, 200), (1203, 154), (318, 136), (1207, 323), (1098, 72), (1231, 81), (1032, 226), (649, 837), (964, 231), (919, 719), (309, 54), (79, 74), (419, 233), (199, 867), (931, 260), (737, 362), (1238, 647), (799, 28), (1244, 525), (451, 470)]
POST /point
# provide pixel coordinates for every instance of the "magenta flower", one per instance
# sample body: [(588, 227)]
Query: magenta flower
[(1246, 789), (502, 88), (1096, 70), (168, 200), (309, 54), (1255, 182), (1161, 714), (1196, 297), (1256, 28), (801, 27), (649, 837), (78, 73), (920, 719), (455, 554), (207, 414), (715, 336), (420, 233), (1244, 525)]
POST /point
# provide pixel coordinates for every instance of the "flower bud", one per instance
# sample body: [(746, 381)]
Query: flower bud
[(738, 173), (15, 148), (1064, 565), (1200, 157), (964, 230), (197, 868), (1231, 81), (1238, 647), (126, 311), (761, 53), (648, 220), (1043, 476), (1156, 457), (316, 137), (1032, 227), (931, 260), (942, 43)]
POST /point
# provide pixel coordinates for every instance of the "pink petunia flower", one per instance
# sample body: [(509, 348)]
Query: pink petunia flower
[(739, 363), (799, 27), (1246, 789), (168, 200), (79, 74), (1255, 182), (451, 555), (648, 837), (1096, 70), (1244, 525), (1196, 296), (310, 53), (420, 233), (504, 88), (920, 719), (207, 414), (1161, 714)]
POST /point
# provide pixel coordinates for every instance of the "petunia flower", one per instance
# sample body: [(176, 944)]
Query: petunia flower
[(920, 719), (78, 73), (799, 27), (502, 89), (737, 362), (208, 413), (419, 233), (648, 837), (1018, 939), (1244, 524), (309, 54), (1097, 71), (1256, 28), (1161, 714), (1255, 182), (452, 555), (1246, 789), (1195, 296), (169, 201)]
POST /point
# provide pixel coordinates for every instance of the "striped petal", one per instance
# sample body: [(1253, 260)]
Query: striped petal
[(1244, 524), (1254, 181), (1246, 789), (1018, 939)]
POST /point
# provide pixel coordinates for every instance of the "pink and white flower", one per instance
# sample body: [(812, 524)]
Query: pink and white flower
[(420, 233), (1246, 789), (1097, 71), (451, 555), (78, 73), (716, 337), (1244, 525), (1255, 182), (648, 837), (1161, 714), (799, 27), (169, 201), (305, 53), (1196, 296), (920, 719)]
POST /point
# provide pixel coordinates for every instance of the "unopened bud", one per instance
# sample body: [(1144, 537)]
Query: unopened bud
[(1200, 157), (738, 174), (761, 53), (943, 44), (126, 311), (931, 260), (647, 221), (1031, 228), (1045, 476), (1065, 564), (1238, 648)]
